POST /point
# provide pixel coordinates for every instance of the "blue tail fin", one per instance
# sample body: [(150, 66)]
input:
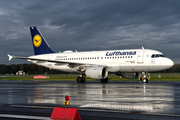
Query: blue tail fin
[(39, 43)]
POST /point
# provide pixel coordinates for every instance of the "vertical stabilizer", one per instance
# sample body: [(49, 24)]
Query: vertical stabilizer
[(39, 43)]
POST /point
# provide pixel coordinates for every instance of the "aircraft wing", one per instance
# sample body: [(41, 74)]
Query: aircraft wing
[(71, 64)]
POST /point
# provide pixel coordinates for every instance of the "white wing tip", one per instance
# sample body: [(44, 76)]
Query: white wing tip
[(10, 57)]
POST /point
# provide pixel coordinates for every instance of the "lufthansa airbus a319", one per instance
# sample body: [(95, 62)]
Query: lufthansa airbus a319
[(97, 64)]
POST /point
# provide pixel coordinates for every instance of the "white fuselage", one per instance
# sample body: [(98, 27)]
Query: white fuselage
[(130, 60)]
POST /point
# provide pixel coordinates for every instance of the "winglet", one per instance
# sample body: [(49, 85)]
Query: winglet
[(10, 57)]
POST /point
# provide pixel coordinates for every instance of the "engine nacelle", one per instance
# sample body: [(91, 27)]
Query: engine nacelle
[(129, 75), (96, 72)]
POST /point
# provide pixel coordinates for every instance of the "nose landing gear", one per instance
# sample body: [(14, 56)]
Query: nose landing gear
[(145, 79)]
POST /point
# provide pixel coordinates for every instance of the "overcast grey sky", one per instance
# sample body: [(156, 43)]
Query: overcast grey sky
[(86, 25)]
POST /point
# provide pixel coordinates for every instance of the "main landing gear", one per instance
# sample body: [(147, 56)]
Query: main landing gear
[(104, 80), (81, 79)]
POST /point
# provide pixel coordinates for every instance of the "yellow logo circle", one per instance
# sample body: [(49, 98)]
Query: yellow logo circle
[(37, 40)]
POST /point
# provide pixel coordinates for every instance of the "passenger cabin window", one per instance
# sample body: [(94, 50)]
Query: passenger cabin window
[(157, 55)]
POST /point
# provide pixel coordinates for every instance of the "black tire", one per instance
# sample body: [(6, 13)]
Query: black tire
[(145, 80), (79, 79), (104, 80), (83, 79)]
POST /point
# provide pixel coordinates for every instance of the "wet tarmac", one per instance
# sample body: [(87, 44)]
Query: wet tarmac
[(94, 100)]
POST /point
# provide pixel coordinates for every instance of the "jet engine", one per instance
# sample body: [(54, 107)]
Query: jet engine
[(129, 75), (96, 72)]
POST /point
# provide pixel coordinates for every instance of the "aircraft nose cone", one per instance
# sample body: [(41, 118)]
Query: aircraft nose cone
[(170, 63)]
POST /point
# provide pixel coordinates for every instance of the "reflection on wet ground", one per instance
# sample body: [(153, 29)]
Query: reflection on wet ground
[(154, 97)]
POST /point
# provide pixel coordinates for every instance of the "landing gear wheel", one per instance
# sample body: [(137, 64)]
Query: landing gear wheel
[(81, 79), (145, 76), (104, 80), (145, 80)]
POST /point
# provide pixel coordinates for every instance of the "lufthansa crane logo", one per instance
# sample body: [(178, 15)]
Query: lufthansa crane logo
[(37, 40)]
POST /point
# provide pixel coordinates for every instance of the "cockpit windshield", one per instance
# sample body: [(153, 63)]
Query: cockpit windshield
[(157, 55)]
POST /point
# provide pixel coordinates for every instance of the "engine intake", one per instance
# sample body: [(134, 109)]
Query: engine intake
[(96, 72)]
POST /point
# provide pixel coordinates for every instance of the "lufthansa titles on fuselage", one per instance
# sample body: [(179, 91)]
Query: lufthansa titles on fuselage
[(120, 53)]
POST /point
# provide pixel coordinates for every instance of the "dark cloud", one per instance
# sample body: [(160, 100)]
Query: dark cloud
[(90, 25)]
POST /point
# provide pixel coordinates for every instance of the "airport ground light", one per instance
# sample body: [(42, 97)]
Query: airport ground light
[(65, 113)]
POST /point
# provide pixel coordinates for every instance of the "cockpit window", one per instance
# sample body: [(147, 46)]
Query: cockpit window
[(153, 56), (157, 55), (162, 56)]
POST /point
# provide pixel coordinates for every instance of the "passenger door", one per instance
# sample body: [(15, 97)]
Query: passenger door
[(140, 58)]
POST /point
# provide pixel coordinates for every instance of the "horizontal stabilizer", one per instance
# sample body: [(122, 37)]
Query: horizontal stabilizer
[(10, 57)]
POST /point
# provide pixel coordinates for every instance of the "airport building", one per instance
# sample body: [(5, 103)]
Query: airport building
[(20, 72)]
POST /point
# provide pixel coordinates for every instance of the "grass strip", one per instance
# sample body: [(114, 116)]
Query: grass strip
[(112, 77)]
